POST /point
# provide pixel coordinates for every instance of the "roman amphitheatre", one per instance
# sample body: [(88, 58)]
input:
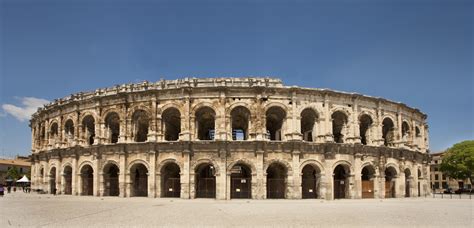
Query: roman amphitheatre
[(229, 138)]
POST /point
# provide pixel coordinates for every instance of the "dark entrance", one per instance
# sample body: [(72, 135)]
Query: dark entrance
[(340, 182), (390, 175), (309, 183), (171, 184), (52, 181), (205, 181), (68, 180), (276, 181), (241, 182), (111, 180), (407, 182), (368, 173), (139, 177), (87, 177)]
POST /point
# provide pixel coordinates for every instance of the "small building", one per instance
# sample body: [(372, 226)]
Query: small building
[(22, 163), (439, 181)]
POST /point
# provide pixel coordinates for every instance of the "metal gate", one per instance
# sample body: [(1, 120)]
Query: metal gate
[(206, 187), (339, 189), (389, 189), (112, 186), (172, 187), (240, 188), (140, 186), (88, 186), (276, 188), (407, 188), (367, 189), (309, 188)]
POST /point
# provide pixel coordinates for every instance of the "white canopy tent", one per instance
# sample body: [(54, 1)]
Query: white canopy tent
[(24, 179)]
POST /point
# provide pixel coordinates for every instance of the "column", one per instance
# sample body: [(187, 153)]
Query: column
[(74, 185), (261, 188), (151, 175), (296, 183), (122, 178), (185, 176)]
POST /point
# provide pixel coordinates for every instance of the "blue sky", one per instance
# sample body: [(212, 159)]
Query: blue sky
[(416, 52)]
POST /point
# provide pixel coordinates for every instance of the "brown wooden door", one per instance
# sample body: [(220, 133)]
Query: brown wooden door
[(367, 189), (389, 189), (172, 187)]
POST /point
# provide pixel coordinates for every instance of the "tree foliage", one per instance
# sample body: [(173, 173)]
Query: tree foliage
[(458, 161), (13, 173)]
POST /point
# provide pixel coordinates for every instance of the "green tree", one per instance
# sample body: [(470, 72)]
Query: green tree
[(458, 161), (13, 173)]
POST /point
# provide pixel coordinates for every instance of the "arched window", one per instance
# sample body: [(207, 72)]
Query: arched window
[(275, 118), (69, 129), (388, 131), (205, 122), (54, 130), (112, 123), (405, 131), (240, 123), (140, 124), (88, 129), (171, 124), (365, 124), (308, 122), (339, 124)]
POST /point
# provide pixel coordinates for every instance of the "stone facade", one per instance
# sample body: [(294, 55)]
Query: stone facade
[(229, 138)]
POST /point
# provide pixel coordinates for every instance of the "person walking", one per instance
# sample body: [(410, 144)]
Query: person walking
[(1, 190)]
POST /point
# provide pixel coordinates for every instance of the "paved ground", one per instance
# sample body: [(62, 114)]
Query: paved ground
[(35, 210)]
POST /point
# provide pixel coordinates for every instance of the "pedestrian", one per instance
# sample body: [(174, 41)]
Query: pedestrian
[(1, 190), (9, 188)]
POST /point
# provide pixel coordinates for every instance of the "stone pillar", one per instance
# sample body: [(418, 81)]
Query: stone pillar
[(296, 189), (151, 175), (96, 164), (101, 183), (357, 186), (59, 189), (355, 123), (328, 121), (74, 179), (261, 188), (381, 182), (185, 134), (122, 177), (152, 133), (185, 176)]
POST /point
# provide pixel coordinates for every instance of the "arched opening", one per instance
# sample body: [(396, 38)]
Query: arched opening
[(276, 181), (52, 181), (339, 122), (405, 131), (67, 180), (69, 129), (240, 117), (241, 182), (140, 124), (205, 181), (139, 179), (310, 182), (275, 118), (54, 131), (205, 122), (417, 132), (368, 175), (365, 124), (419, 183), (88, 129), (112, 123), (171, 124), (170, 180), (308, 122), (42, 135), (407, 182), (390, 177), (388, 131), (41, 178), (341, 182), (87, 180), (111, 180)]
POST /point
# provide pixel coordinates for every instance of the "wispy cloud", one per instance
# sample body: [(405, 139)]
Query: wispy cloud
[(28, 107)]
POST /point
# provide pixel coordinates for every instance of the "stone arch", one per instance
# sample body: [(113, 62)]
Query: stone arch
[(139, 107), (67, 173), (243, 161), (406, 130), (368, 173), (313, 107), (108, 162), (313, 162), (309, 120), (276, 104), (110, 172), (366, 123), (69, 128), (240, 121), (204, 175), (87, 172), (170, 175), (86, 113), (168, 105), (88, 128), (141, 125), (345, 163), (205, 122), (112, 110), (112, 124), (388, 130), (275, 122), (203, 104), (340, 122), (237, 104), (205, 161), (138, 161), (280, 161), (86, 163), (343, 110), (341, 172), (276, 174), (171, 123), (167, 161)]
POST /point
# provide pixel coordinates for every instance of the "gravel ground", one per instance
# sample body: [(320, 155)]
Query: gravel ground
[(21, 209)]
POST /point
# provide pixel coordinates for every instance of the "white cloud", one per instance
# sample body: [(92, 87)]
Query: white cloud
[(29, 106)]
